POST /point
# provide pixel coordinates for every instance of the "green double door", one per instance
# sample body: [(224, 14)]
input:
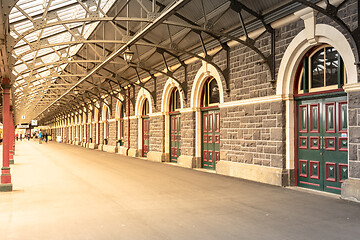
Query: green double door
[(146, 136), (322, 143), (175, 137), (210, 138)]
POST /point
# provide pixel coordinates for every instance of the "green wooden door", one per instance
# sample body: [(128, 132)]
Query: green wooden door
[(146, 136), (175, 137), (210, 138), (322, 146)]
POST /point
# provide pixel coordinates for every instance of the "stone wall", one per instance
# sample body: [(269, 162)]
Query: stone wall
[(354, 134), (188, 126), (112, 134), (134, 134), (157, 134), (250, 133), (253, 134)]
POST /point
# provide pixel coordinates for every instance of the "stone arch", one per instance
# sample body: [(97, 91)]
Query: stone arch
[(170, 85), (202, 75), (97, 124), (141, 97), (105, 113), (205, 72), (90, 124), (90, 117), (119, 106), (96, 115), (84, 118), (140, 100), (298, 47), (79, 119)]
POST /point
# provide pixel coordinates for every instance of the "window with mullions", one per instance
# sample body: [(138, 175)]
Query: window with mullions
[(211, 93), (146, 108), (322, 70), (175, 101)]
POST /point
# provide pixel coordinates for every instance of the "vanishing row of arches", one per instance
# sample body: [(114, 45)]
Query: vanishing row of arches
[(320, 122), (86, 127)]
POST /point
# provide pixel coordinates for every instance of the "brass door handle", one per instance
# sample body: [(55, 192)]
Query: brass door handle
[(321, 142)]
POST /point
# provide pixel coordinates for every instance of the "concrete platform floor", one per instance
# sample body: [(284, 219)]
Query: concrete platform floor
[(68, 192)]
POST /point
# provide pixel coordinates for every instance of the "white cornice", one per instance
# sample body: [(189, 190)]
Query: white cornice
[(273, 98)]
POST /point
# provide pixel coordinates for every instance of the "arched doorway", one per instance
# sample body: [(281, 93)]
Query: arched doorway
[(146, 128), (321, 123), (90, 128), (97, 126), (210, 133), (121, 125), (175, 131), (105, 117)]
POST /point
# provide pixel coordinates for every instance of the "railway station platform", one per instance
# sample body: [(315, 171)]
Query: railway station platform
[(64, 191)]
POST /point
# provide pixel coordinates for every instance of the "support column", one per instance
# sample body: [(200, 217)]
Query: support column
[(5, 179), (12, 137)]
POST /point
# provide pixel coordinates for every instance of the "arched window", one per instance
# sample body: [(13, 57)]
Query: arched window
[(210, 93), (146, 108), (323, 69), (175, 101)]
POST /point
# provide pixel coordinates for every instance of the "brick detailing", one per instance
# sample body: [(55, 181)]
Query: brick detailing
[(157, 136), (188, 126), (253, 134)]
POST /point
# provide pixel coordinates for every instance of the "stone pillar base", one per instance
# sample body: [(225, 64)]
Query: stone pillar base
[(350, 189), (101, 147), (257, 173), (110, 148), (156, 156), (133, 152), (6, 187), (122, 150), (93, 145), (187, 161)]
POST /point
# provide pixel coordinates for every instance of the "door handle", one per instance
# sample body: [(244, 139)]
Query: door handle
[(321, 142)]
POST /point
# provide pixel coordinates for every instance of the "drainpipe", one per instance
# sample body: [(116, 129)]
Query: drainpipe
[(127, 150)]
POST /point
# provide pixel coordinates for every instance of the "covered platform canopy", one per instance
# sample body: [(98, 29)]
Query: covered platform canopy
[(64, 54)]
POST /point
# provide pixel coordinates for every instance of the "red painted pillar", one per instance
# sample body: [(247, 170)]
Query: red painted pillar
[(12, 137), (5, 179)]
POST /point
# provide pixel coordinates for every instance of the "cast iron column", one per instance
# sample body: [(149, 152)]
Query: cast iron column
[(5, 182)]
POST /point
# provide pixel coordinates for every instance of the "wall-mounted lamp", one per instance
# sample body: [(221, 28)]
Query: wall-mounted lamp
[(128, 55), (76, 91)]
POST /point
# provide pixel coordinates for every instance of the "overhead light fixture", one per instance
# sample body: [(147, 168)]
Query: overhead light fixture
[(128, 55)]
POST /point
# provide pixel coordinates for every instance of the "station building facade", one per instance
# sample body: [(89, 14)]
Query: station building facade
[(302, 129)]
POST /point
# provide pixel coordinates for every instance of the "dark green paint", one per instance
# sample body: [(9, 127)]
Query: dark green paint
[(310, 160), (175, 137), (210, 138)]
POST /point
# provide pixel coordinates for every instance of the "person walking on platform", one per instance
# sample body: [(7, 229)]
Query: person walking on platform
[(46, 137), (40, 137)]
